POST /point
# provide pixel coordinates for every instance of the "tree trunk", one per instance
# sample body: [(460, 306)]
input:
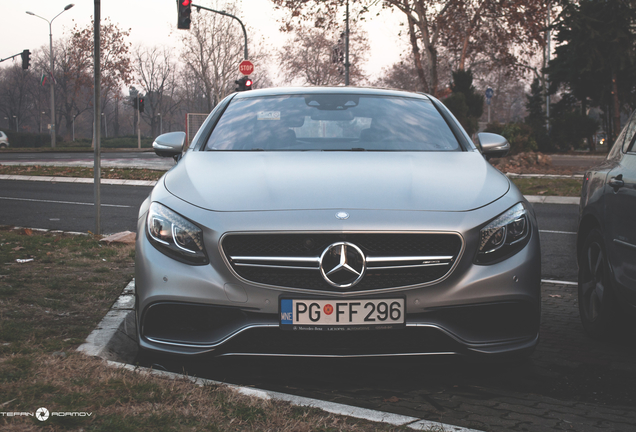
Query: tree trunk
[(433, 69), (116, 122), (590, 138), (617, 109), (417, 57)]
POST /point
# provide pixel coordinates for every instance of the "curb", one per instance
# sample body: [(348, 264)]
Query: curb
[(565, 176), (540, 199), (111, 337)]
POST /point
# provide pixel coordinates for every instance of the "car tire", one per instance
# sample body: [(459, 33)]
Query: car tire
[(3, 146), (597, 305)]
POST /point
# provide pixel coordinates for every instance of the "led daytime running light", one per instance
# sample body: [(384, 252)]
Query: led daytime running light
[(502, 221)]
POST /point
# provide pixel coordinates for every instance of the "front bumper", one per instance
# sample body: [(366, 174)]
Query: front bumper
[(476, 310)]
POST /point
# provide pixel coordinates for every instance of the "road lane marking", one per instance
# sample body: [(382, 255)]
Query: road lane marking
[(558, 282), (63, 202), (556, 232)]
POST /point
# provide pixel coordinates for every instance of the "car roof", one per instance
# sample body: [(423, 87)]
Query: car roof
[(285, 91)]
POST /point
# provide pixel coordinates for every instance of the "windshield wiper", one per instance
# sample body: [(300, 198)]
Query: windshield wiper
[(351, 149)]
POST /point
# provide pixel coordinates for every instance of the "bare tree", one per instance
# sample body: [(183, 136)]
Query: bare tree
[(16, 97), (315, 56), (156, 71), (401, 75), (213, 49)]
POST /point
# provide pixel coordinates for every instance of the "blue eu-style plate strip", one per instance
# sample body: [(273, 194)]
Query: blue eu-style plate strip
[(286, 311)]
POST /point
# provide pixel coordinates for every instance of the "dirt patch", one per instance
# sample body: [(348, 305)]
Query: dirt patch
[(533, 163)]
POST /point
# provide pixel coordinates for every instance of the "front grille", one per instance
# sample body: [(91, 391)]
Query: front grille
[(293, 260)]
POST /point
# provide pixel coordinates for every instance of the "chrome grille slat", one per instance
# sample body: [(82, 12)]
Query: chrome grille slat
[(372, 262)]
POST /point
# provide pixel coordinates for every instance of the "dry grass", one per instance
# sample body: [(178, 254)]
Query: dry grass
[(549, 186), (121, 400), (47, 308), (59, 171)]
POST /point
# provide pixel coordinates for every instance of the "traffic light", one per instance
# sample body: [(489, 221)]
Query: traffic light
[(26, 58), (141, 104), (135, 103), (184, 7), (243, 84)]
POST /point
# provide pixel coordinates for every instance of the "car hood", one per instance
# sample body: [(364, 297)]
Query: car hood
[(262, 181)]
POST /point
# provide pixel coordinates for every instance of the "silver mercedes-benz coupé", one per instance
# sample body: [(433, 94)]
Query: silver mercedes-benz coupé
[(336, 222)]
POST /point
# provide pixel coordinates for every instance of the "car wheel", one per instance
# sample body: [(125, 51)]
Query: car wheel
[(596, 301), (3, 146)]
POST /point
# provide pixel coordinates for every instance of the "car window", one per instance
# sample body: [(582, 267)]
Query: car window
[(629, 132), (332, 122)]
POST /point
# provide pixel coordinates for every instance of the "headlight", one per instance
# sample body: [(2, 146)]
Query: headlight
[(504, 236), (175, 236)]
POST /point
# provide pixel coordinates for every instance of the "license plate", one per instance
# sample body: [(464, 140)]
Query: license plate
[(359, 314)]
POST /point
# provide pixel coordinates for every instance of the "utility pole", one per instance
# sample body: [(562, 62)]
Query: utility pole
[(547, 94), (97, 174), (347, 64), (138, 124)]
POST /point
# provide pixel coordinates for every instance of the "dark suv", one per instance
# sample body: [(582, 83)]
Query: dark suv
[(606, 242)]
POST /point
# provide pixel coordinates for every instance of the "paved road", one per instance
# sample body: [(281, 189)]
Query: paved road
[(557, 230), (68, 206)]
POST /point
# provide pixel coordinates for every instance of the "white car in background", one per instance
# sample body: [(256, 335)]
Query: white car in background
[(4, 141)]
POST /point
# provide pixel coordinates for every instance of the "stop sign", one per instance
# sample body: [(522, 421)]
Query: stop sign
[(246, 67)]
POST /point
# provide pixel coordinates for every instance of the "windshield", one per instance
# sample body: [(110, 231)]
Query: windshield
[(332, 122)]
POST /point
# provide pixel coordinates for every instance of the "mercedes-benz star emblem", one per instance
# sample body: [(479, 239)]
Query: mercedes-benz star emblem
[(342, 215), (342, 264)]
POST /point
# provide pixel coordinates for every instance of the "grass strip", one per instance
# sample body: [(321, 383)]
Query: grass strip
[(549, 186), (81, 172), (52, 299)]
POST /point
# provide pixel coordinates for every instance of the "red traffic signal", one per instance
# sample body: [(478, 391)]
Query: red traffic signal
[(184, 8), (243, 84)]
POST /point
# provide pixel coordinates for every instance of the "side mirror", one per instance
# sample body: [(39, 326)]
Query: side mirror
[(493, 145), (169, 144)]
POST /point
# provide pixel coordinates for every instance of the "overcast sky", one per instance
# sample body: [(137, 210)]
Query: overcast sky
[(153, 22)]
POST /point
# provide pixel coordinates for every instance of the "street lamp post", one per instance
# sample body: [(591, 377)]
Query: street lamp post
[(74, 126), (67, 7), (160, 124)]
